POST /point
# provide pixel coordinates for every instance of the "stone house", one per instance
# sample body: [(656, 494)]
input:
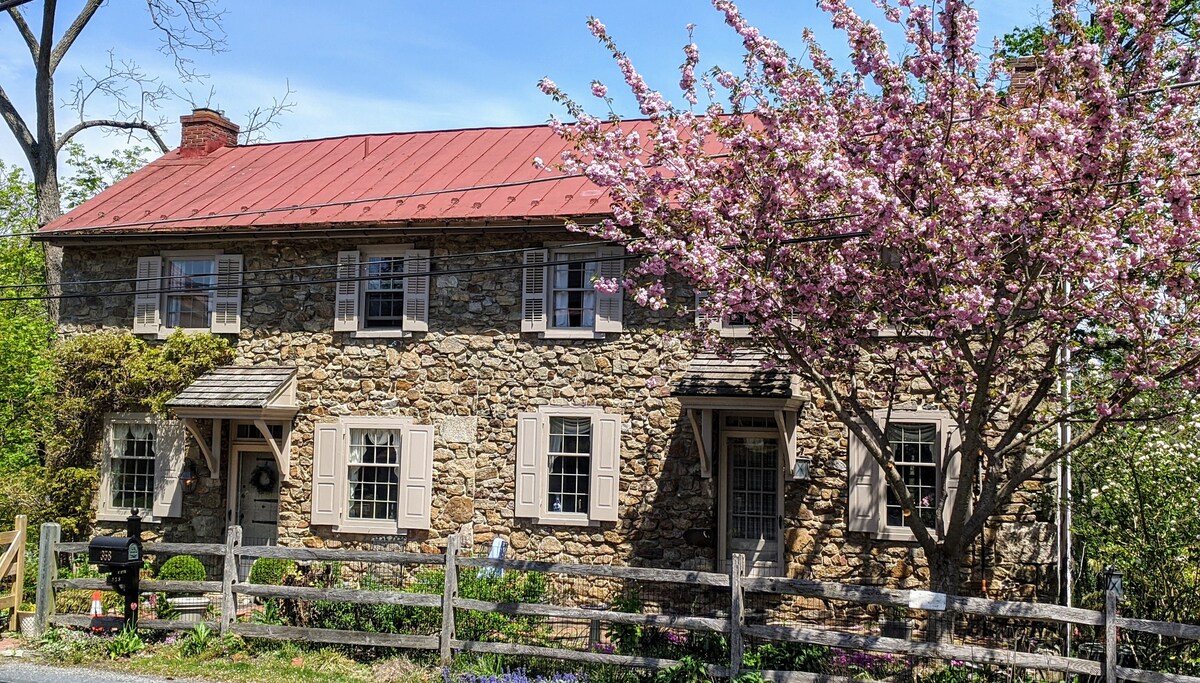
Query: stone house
[(420, 352)]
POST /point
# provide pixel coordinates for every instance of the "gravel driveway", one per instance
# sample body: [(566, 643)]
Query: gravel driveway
[(24, 672)]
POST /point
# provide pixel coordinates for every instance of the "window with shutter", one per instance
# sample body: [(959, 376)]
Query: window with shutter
[(382, 291), (924, 446), (735, 325), (372, 475), (568, 465), (560, 297), (188, 290), (140, 465)]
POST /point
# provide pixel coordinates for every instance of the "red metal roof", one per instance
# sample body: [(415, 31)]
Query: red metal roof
[(461, 176)]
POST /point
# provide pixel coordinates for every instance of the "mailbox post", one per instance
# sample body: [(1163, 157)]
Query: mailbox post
[(121, 559)]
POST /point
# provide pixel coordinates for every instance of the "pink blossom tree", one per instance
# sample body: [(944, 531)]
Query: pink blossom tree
[(908, 228)]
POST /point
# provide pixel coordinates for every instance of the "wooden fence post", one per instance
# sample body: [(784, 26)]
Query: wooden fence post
[(737, 613), (1112, 593), (229, 576), (19, 570), (47, 574), (449, 593)]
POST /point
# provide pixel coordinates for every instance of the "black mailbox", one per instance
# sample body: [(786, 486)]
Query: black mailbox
[(114, 552)]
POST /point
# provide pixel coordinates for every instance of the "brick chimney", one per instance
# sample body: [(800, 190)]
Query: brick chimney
[(1022, 70), (204, 131)]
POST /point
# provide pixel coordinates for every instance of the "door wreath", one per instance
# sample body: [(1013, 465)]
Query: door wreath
[(264, 479)]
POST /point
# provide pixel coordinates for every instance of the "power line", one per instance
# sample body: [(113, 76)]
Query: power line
[(284, 269), (295, 207), (400, 276), (445, 258)]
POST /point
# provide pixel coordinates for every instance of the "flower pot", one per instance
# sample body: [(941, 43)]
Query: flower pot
[(190, 608), (26, 623)]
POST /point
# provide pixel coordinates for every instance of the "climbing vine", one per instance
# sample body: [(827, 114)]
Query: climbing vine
[(111, 372)]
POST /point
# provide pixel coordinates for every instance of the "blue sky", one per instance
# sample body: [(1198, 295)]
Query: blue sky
[(372, 66)]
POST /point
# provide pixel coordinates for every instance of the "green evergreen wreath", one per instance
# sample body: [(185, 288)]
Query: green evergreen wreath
[(264, 478)]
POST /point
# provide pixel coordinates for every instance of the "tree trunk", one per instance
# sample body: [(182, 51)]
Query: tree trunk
[(49, 207), (945, 576)]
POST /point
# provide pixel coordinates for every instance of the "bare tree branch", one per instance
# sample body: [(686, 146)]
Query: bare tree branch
[(72, 32), (187, 25), (25, 31), (261, 119), (150, 128)]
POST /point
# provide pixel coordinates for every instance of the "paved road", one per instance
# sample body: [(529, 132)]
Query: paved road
[(24, 672)]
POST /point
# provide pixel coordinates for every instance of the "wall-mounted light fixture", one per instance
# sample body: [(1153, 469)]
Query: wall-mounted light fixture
[(802, 470), (188, 478)]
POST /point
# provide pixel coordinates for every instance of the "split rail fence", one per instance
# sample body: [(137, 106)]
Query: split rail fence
[(733, 626)]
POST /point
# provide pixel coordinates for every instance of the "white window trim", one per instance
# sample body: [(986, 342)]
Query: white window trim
[(946, 439), (407, 427), (105, 511), (544, 413), (166, 256), (547, 330), (351, 294), (365, 252)]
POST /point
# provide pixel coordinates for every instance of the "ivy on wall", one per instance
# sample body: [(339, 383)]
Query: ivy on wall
[(113, 372)]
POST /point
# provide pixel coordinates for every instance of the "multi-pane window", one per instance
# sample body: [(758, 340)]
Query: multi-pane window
[(132, 466), (914, 450), (570, 455), (573, 293), (753, 488), (373, 474), (383, 295), (189, 292)]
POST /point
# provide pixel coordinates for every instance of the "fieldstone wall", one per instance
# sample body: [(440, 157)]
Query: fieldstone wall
[(471, 375)]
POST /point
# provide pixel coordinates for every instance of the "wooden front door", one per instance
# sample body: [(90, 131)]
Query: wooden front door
[(257, 502), (753, 500)]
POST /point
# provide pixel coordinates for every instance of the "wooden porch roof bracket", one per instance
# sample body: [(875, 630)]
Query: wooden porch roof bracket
[(255, 394)]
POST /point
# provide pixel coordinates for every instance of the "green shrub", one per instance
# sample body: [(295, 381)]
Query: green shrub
[(269, 571), (63, 496), (469, 625), (182, 568)]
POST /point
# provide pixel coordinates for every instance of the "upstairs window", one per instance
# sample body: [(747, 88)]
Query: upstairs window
[(189, 291), (382, 291), (734, 325), (560, 299)]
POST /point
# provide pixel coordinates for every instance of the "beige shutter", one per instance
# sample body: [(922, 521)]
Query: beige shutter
[(416, 291), (170, 450), (951, 471), (109, 448), (327, 471), (533, 302), (345, 302), (608, 306), (606, 469), (529, 456), (148, 301), (703, 320), (416, 477), (227, 300), (866, 492)]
